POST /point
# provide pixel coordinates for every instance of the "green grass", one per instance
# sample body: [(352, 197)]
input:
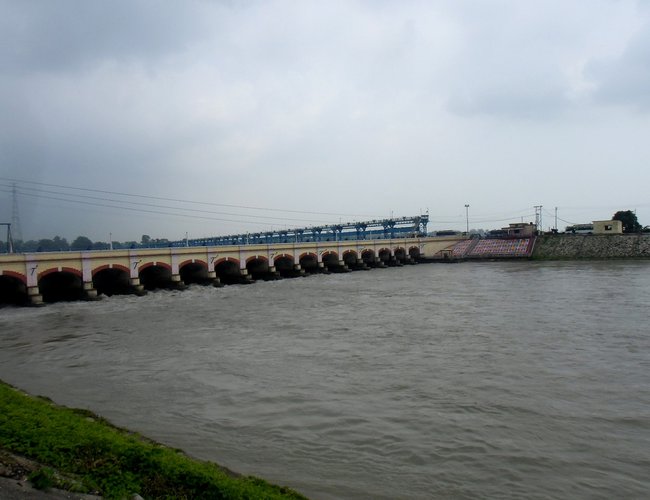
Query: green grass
[(85, 452)]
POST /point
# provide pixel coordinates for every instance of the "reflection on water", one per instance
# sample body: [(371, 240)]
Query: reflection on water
[(434, 381)]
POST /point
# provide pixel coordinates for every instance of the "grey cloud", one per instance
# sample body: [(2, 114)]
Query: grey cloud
[(332, 106), (624, 80), (520, 59), (510, 80), (43, 35), (532, 102)]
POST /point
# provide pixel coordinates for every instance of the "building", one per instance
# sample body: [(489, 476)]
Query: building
[(608, 227), (520, 229)]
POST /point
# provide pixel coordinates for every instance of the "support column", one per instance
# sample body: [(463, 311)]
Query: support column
[(137, 288), (89, 292), (177, 283), (342, 267), (33, 292), (245, 277), (299, 269), (216, 282), (274, 274), (34, 296), (134, 277), (175, 261)]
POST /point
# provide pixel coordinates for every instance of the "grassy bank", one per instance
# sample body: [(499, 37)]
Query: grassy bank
[(82, 452)]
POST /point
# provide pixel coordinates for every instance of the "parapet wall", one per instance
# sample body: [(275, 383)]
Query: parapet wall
[(591, 246)]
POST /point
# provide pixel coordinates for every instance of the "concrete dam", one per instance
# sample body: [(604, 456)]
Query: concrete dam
[(53, 276)]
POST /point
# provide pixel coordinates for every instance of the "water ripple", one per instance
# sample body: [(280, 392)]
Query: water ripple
[(498, 380)]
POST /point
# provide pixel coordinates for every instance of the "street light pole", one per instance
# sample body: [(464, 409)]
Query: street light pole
[(467, 218)]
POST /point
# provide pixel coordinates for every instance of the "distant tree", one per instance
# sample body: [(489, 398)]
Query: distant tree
[(81, 243), (629, 220), (61, 243), (47, 245), (28, 246), (100, 245), (146, 239)]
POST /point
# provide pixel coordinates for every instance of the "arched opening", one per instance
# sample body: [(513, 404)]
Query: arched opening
[(258, 267), (414, 253), (350, 259), (113, 281), (384, 255), (13, 291), (284, 265), (368, 257), (228, 272), (61, 286), (331, 261), (400, 255), (309, 262), (156, 276), (194, 272)]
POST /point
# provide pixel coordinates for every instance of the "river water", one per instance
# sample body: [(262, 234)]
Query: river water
[(472, 380)]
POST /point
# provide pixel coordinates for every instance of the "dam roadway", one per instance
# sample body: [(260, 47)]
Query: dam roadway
[(35, 278)]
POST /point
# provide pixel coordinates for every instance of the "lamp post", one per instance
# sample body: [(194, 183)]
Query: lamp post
[(467, 218)]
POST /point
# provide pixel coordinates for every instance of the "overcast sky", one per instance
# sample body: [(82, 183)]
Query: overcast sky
[(317, 112)]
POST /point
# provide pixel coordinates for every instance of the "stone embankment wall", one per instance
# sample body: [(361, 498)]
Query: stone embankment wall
[(590, 246)]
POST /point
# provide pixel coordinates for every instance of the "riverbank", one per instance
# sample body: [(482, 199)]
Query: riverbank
[(79, 452), (591, 246)]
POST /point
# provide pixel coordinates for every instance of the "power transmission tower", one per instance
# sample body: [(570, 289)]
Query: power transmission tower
[(15, 219), (538, 217)]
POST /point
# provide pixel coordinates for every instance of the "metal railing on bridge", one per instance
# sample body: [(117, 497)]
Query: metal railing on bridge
[(401, 227)]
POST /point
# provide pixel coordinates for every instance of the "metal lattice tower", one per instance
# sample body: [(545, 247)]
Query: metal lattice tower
[(15, 218), (538, 217)]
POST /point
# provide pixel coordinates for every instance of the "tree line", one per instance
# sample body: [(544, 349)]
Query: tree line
[(80, 243)]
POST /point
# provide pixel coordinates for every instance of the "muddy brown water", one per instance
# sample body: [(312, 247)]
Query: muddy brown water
[(472, 380)]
